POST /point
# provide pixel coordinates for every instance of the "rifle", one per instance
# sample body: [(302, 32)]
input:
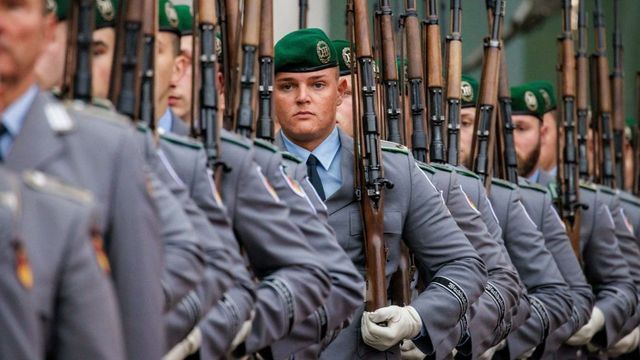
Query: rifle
[(250, 42), (454, 76), (617, 96), (568, 166), (482, 144), (434, 83), (264, 128), (582, 85), (415, 78), (390, 74), (603, 113), (78, 63), (303, 6), (149, 29), (229, 28), (204, 79), (369, 161), (125, 82)]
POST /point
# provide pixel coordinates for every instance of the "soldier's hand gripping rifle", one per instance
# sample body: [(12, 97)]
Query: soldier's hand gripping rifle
[(454, 78), (582, 94), (149, 30), (264, 127), (125, 79), (481, 146), (568, 165), (415, 78), (603, 110), (434, 84), (369, 162), (250, 41), (617, 96), (77, 80)]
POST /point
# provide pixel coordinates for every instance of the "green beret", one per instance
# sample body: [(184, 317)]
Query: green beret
[(185, 18), (168, 17), (630, 126), (304, 50), (106, 11), (343, 49), (546, 91), (526, 100), (468, 91), (218, 46), (60, 7)]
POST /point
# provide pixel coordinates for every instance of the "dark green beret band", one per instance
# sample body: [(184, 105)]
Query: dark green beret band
[(304, 50), (186, 19)]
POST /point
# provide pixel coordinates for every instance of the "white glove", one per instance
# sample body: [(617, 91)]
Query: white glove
[(409, 351), (626, 344), (186, 347), (243, 332), (401, 323), (527, 354), (584, 335), (487, 355)]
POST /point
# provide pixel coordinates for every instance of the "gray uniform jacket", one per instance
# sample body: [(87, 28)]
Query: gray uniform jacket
[(415, 213), (74, 296), (631, 206), (490, 315), (187, 161), (538, 203), (548, 292), (94, 152), (346, 283), (294, 283)]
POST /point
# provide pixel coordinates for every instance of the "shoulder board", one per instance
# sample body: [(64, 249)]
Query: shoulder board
[(180, 140), (142, 127), (629, 198), (265, 145), (426, 167), (467, 173), (232, 140), (588, 186), (553, 190), (109, 115), (442, 167), (103, 103), (533, 186), (606, 190), (393, 147), (503, 183), (40, 182), (291, 157)]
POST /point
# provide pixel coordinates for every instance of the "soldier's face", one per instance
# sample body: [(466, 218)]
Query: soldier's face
[(344, 114), (104, 41), (167, 49), (548, 141), (50, 65), (526, 137), (306, 103), (467, 120), (25, 28), (180, 94)]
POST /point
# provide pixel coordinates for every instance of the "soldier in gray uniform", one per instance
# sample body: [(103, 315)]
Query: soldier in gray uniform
[(306, 94), (94, 153), (530, 104)]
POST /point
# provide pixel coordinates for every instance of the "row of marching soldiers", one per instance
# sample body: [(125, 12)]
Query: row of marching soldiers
[(175, 186)]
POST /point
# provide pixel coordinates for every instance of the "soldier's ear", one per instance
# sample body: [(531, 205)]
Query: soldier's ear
[(49, 27), (342, 87), (180, 64)]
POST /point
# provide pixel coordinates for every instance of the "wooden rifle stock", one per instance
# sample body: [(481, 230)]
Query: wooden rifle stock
[(482, 153), (390, 74), (568, 165), (582, 92), (230, 28), (604, 98), (125, 79), (370, 162), (617, 96), (415, 78), (434, 84), (264, 127), (147, 98), (454, 79), (250, 42)]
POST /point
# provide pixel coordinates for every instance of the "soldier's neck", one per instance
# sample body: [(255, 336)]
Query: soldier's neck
[(11, 90)]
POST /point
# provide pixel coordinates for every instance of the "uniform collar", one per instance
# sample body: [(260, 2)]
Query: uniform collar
[(14, 115), (166, 120), (325, 152)]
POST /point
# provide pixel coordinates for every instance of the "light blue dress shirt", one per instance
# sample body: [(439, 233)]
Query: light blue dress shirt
[(535, 177), (328, 153), (13, 118), (166, 121)]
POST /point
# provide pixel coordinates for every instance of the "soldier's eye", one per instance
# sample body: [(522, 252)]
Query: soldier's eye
[(285, 86), (319, 85)]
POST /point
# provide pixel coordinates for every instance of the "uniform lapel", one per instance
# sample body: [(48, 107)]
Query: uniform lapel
[(37, 142), (344, 196)]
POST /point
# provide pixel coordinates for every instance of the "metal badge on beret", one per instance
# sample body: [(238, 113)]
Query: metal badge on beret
[(346, 56), (52, 6), (530, 100), (218, 47), (105, 7), (172, 15), (546, 98), (323, 51), (467, 91)]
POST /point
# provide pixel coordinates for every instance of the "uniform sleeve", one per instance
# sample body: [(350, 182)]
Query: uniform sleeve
[(293, 281), (457, 275), (548, 292), (87, 323)]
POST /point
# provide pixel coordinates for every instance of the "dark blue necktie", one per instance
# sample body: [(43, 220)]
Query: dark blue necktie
[(314, 177), (3, 132)]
